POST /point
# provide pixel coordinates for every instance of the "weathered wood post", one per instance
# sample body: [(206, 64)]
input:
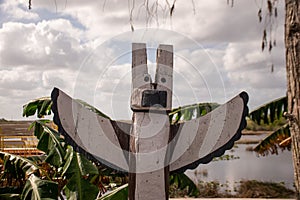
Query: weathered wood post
[(150, 148), (150, 102)]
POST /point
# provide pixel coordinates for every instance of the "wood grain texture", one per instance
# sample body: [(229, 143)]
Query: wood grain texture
[(292, 44), (141, 79), (200, 140), (93, 135), (164, 71), (150, 129)]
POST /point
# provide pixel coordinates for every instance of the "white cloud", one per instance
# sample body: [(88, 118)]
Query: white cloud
[(14, 10), (72, 45), (246, 64), (19, 79), (44, 44), (241, 56)]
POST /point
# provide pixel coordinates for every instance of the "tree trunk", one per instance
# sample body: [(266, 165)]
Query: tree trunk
[(292, 44)]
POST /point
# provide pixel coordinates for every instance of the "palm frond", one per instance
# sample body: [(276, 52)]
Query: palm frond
[(189, 112), (270, 111), (272, 142), (40, 106)]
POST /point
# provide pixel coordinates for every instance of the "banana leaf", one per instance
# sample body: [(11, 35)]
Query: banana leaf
[(38, 189), (189, 112), (182, 182), (120, 193), (17, 166), (77, 168), (50, 142), (8, 196), (269, 112), (41, 106), (271, 143)]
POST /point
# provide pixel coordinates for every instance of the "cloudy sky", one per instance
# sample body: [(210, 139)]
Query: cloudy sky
[(84, 48)]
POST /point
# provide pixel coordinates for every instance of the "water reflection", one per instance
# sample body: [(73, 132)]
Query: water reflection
[(272, 168)]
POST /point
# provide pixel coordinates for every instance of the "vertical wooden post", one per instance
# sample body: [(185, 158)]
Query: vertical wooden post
[(164, 71), (149, 172)]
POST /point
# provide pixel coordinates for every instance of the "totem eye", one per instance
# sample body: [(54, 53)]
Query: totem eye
[(163, 80), (146, 78)]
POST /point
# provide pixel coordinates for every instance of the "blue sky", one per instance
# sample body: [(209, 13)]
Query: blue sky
[(84, 49)]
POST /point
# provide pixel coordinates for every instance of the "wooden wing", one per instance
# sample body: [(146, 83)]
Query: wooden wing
[(104, 140), (200, 140)]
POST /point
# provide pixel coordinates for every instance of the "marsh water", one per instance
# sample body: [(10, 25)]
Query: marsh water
[(247, 165)]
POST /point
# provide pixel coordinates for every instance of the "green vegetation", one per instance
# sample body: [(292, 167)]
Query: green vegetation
[(189, 112), (60, 173), (276, 124), (257, 189), (63, 173), (270, 116), (243, 189)]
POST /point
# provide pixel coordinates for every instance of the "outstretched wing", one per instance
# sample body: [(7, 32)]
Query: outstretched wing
[(200, 140), (97, 137)]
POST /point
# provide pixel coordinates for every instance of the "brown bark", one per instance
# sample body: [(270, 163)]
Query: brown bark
[(292, 43)]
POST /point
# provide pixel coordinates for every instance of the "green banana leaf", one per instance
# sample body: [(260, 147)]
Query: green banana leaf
[(41, 106), (182, 182), (189, 112), (270, 111), (17, 166), (76, 167), (268, 114), (50, 142), (76, 163), (5, 196), (271, 143), (37, 189), (120, 193), (21, 169), (9, 190)]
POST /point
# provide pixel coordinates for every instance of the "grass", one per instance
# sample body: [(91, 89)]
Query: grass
[(257, 189), (243, 189), (251, 125)]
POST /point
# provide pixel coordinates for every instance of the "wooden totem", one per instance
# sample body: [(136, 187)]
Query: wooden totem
[(150, 147)]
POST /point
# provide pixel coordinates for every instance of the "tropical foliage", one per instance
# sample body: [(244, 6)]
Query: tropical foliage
[(41, 106), (181, 182), (269, 112), (274, 141), (118, 193), (272, 113), (24, 173), (189, 112), (61, 172)]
